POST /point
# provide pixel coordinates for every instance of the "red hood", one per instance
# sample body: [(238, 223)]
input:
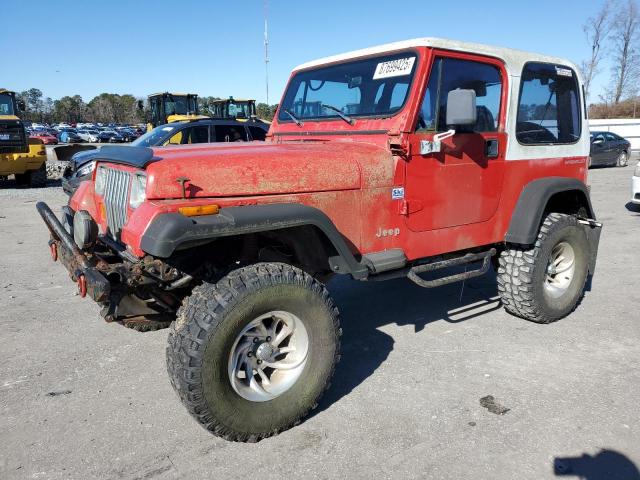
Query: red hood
[(257, 168)]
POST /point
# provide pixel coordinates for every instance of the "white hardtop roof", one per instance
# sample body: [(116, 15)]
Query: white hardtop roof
[(514, 59)]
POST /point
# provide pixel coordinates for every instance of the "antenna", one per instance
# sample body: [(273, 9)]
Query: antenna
[(266, 48)]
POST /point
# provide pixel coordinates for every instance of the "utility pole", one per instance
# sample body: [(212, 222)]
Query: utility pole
[(266, 49)]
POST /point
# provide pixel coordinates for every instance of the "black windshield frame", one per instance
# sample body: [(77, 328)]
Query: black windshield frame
[(311, 74)]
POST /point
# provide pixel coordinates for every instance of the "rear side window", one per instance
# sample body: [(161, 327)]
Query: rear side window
[(549, 105), (257, 133), (230, 133)]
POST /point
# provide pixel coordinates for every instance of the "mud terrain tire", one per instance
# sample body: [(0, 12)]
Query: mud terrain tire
[(527, 282), (204, 336)]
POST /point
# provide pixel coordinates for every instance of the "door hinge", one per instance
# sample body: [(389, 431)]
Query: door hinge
[(399, 145)]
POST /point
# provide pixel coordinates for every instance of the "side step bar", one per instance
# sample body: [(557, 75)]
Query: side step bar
[(468, 258)]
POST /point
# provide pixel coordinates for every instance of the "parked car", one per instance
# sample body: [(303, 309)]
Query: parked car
[(45, 136), (89, 135), (609, 149), (69, 136), (110, 136), (127, 134), (176, 133)]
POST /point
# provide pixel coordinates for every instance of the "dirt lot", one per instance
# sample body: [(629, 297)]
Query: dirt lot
[(83, 399)]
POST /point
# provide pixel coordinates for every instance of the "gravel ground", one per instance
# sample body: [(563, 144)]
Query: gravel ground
[(83, 399)]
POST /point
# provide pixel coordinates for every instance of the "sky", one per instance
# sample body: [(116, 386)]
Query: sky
[(216, 47)]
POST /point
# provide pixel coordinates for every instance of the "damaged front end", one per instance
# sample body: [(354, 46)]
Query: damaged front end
[(141, 293)]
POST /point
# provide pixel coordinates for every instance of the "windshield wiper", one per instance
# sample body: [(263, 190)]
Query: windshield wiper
[(293, 117), (344, 117)]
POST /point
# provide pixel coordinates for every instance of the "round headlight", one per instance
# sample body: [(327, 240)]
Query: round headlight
[(86, 169), (636, 172), (138, 190)]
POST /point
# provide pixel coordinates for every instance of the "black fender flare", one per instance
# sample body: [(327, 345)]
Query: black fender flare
[(533, 200), (169, 231)]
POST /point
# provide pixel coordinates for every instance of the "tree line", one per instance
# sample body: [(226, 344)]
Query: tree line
[(104, 108), (614, 32)]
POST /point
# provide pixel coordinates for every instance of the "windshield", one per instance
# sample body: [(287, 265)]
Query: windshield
[(375, 87), (180, 105), (154, 137), (6, 104)]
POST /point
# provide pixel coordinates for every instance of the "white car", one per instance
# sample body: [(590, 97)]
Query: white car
[(635, 185), (90, 136)]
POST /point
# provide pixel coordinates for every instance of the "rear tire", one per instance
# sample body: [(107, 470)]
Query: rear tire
[(38, 178), (215, 348), (546, 282), (623, 159)]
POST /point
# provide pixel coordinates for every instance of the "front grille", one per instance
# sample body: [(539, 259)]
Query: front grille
[(116, 199), (13, 138)]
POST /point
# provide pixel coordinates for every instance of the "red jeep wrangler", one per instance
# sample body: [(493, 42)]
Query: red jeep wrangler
[(399, 160)]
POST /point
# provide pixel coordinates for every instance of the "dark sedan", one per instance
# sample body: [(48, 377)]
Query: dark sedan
[(110, 136), (609, 149), (177, 133)]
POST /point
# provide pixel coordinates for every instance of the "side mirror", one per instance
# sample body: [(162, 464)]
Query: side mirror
[(140, 105), (461, 112), (461, 108), (21, 106)]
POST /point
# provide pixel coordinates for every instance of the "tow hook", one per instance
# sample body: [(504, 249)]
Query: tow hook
[(82, 285), (54, 250)]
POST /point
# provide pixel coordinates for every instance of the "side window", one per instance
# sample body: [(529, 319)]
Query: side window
[(257, 133), (549, 105), (176, 138), (198, 134), (449, 74), (230, 133)]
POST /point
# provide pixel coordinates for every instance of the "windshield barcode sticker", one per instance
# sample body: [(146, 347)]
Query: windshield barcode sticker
[(394, 68), (564, 72)]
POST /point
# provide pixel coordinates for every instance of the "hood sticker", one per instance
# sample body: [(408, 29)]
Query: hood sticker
[(394, 68)]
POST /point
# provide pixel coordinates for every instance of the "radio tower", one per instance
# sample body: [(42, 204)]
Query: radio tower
[(266, 49)]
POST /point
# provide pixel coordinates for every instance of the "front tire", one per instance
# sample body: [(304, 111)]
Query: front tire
[(250, 355), (38, 178), (546, 282)]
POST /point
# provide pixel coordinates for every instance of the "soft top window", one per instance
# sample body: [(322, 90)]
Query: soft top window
[(373, 87), (549, 105)]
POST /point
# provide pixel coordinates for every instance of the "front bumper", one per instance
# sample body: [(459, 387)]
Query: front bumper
[(635, 190), (90, 280)]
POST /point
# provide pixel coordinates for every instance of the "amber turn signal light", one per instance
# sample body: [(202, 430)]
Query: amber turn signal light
[(199, 210)]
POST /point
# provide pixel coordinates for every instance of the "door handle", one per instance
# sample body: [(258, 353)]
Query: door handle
[(491, 148)]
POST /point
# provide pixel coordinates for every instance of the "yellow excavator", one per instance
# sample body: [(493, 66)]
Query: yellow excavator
[(172, 107), (21, 156)]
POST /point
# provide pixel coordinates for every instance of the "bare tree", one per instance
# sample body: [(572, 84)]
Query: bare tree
[(626, 66), (596, 29)]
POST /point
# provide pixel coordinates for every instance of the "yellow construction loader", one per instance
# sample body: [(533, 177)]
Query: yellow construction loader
[(172, 107), (21, 156), (242, 110)]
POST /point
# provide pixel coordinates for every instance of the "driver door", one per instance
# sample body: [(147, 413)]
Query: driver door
[(599, 153), (461, 184)]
